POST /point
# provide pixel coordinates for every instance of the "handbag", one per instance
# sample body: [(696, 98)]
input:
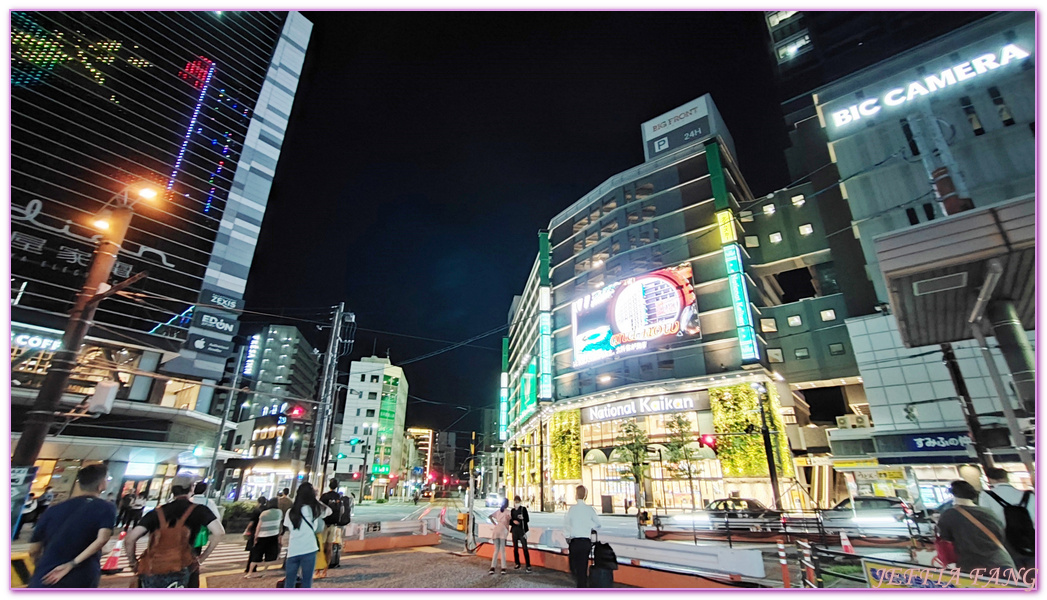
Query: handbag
[(946, 551)]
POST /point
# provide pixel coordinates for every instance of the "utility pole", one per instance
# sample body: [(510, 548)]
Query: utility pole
[(39, 419), (229, 399), (772, 469), (973, 426), (322, 443)]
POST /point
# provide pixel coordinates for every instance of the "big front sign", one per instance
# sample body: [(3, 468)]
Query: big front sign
[(930, 84)]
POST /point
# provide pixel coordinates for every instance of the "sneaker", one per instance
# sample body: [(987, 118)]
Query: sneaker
[(504, 571), (491, 572), (529, 570), (516, 568)]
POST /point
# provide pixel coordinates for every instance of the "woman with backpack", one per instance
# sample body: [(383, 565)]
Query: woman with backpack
[(304, 521)]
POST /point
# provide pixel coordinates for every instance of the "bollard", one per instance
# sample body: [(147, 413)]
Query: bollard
[(786, 582)]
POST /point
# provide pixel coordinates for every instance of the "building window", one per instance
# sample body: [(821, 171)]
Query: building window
[(372, 396), (363, 378), (928, 209), (358, 412), (794, 48), (1005, 113), (768, 325), (913, 219), (798, 200), (374, 379), (913, 147), (795, 321), (370, 412), (828, 314), (972, 115), (356, 429), (781, 16), (239, 439), (752, 241), (806, 229), (776, 238), (775, 355), (745, 216), (802, 353), (837, 349), (768, 210)]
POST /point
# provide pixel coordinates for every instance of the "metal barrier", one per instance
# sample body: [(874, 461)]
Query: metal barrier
[(375, 528), (812, 565)]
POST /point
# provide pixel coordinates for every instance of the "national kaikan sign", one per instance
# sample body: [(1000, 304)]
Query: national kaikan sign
[(627, 315), (636, 407)]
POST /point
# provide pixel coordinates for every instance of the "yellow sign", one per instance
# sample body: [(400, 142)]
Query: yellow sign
[(861, 462), (891, 474), (894, 576), (725, 219)]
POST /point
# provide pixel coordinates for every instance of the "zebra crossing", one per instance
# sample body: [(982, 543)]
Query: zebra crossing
[(227, 553)]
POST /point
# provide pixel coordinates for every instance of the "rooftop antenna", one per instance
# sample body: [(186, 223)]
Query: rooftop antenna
[(373, 346)]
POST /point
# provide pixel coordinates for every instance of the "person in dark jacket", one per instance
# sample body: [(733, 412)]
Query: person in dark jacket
[(976, 534), (519, 522)]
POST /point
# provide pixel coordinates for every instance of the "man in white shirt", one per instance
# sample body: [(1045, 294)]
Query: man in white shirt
[(1008, 493), (578, 524)]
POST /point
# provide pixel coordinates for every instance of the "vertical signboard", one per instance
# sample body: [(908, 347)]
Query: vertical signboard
[(732, 256)]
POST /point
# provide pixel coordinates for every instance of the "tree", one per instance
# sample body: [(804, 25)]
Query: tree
[(632, 446), (680, 453)]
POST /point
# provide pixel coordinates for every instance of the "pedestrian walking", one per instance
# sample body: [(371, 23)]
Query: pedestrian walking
[(500, 518), (284, 498), (199, 497), (332, 523), (67, 541), (519, 521), (579, 524), (266, 547), (975, 533), (124, 508), (303, 522), (170, 561), (28, 514), (1016, 509), (134, 515)]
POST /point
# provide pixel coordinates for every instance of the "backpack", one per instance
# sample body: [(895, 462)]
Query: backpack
[(1018, 526), (169, 550)]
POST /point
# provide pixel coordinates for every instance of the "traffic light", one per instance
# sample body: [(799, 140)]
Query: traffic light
[(297, 411), (341, 455), (354, 441), (356, 476), (709, 441)]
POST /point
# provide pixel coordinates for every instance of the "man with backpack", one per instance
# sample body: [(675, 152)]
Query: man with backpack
[(169, 561), (1016, 509), (341, 514)]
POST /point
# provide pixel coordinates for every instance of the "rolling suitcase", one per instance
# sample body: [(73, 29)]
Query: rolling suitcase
[(601, 573)]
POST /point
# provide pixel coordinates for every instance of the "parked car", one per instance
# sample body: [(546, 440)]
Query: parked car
[(726, 513), (875, 516)]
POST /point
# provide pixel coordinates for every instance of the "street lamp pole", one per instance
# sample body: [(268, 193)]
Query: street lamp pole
[(230, 398), (363, 468), (761, 392), (39, 419)]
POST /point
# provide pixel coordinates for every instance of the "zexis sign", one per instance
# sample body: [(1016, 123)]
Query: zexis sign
[(626, 316), (930, 84)]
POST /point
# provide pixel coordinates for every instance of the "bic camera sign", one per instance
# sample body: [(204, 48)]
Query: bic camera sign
[(930, 84)]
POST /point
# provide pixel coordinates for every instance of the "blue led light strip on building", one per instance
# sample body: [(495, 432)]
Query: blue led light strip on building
[(192, 123), (732, 257)]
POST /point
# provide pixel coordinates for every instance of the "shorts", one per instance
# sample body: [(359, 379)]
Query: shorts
[(266, 549), (333, 534)]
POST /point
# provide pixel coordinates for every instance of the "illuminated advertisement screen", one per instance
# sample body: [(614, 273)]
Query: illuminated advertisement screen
[(635, 314)]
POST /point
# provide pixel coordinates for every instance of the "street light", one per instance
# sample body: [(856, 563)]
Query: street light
[(116, 215)]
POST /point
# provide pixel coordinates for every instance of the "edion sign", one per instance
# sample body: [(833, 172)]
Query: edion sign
[(930, 84)]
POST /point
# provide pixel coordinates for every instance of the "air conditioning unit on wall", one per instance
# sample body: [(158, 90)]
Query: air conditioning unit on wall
[(852, 421)]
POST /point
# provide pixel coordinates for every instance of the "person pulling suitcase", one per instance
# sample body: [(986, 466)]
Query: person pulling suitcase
[(605, 563)]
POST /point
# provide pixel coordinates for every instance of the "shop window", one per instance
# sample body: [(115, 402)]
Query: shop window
[(752, 241), (972, 116), (907, 130), (802, 353), (828, 314), (768, 325), (776, 238), (806, 229), (775, 355), (798, 200), (768, 210), (794, 321), (837, 349), (1001, 107), (180, 395)]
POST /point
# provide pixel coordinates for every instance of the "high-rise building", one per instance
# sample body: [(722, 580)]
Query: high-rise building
[(373, 425), (194, 104), (279, 363)]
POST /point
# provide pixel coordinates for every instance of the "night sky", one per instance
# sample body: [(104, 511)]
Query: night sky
[(425, 151)]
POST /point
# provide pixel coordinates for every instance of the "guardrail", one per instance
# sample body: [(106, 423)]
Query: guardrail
[(362, 531), (707, 560)]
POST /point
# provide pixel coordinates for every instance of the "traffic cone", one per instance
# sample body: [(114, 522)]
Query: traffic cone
[(110, 565), (848, 547)]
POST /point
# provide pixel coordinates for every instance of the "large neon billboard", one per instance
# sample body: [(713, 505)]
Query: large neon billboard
[(633, 314)]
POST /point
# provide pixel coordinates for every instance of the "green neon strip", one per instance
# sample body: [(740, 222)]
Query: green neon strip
[(719, 182), (544, 252)]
